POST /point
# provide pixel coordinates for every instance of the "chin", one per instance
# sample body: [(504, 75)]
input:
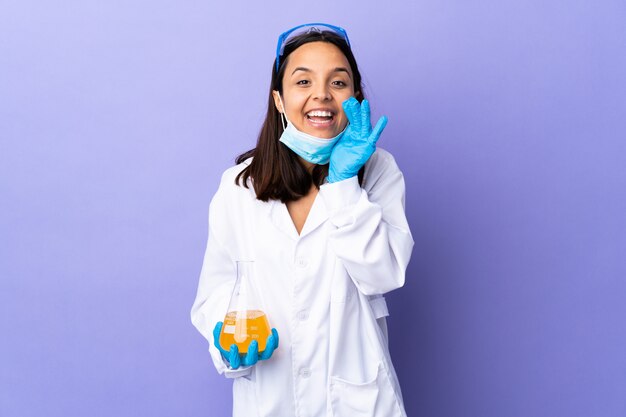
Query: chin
[(327, 135)]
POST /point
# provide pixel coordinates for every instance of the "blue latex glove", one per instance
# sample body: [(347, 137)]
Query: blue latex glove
[(358, 142), (235, 360)]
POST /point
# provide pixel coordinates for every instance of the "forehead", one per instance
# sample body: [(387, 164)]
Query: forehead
[(317, 56)]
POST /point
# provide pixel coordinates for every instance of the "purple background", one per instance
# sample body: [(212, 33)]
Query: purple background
[(507, 118)]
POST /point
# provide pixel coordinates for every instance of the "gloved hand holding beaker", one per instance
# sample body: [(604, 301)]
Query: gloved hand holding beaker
[(358, 142), (235, 359), (245, 330)]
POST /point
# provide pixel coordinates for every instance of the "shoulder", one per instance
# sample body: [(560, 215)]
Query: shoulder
[(231, 191), (382, 177), (382, 153), (230, 206), (229, 176), (380, 163)]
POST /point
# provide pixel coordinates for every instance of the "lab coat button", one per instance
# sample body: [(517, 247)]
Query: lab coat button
[(305, 372), (303, 315), (302, 263)]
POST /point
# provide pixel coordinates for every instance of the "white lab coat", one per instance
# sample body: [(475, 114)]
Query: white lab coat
[(321, 291)]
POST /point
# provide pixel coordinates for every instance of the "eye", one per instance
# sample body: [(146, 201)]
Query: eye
[(302, 82), (339, 83)]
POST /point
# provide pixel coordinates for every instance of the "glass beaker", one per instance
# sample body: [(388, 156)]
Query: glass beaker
[(245, 319)]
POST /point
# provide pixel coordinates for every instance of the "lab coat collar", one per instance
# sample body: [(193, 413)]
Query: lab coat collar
[(282, 220)]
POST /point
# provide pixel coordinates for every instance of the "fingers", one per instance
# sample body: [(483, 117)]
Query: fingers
[(365, 118), (378, 129), (253, 354), (272, 344), (217, 330), (233, 357), (267, 353), (275, 335), (216, 337), (352, 108)]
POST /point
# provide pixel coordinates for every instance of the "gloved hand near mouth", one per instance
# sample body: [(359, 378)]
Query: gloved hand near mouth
[(358, 142)]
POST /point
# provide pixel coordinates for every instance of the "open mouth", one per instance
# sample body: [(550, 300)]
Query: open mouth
[(320, 117)]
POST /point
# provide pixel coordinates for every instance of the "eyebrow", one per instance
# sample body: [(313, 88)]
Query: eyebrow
[(338, 69)]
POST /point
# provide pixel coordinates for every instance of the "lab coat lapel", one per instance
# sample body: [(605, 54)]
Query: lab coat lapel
[(282, 220), (316, 217)]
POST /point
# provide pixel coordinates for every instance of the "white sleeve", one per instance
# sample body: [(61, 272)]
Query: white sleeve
[(217, 279), (372, 236)]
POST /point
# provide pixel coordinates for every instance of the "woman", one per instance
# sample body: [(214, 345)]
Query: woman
[(321, 212)]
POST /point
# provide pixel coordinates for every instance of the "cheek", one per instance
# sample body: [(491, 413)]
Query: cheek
[(345, 95), (293, 102)]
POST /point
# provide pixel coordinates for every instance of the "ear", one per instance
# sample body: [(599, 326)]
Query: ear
[(276, 96)]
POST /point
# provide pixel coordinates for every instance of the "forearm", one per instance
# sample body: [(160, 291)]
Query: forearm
[(371, 242)]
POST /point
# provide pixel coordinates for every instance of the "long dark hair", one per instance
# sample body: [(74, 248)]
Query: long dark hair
[(275, 170)]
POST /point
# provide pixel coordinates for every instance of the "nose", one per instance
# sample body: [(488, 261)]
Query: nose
[(321, 93)]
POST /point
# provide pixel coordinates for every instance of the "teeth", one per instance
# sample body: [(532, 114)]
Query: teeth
[(320, 113)]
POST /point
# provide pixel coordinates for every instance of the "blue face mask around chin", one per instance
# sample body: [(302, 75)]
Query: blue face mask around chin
[(310, 148)]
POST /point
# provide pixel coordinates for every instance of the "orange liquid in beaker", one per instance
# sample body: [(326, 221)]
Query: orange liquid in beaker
[(242, 328)]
